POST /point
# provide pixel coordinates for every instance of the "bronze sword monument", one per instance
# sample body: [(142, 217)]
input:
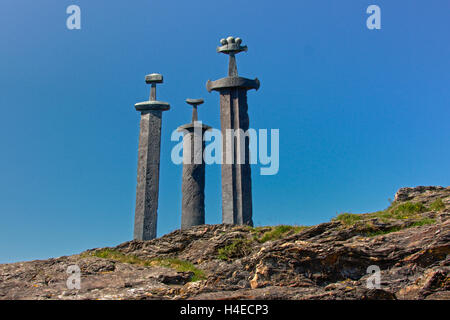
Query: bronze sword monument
[(236, 172)]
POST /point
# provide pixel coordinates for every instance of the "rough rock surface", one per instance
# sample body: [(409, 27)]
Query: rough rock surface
[(327, 261)]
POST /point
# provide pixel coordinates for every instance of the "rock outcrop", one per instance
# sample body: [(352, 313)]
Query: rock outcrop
[(409, 242)]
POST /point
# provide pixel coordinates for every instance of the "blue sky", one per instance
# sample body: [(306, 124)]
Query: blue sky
[(361, 112)]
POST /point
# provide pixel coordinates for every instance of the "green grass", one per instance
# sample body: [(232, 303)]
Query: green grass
[(423, 222), (237, 249), (181, 266), (437, 205), (380, 232), (264, 234), (396, 211), (403, 210), (383, 215), (172, 263), (419, 223), (118, 256), (407, 209), (348, 219)]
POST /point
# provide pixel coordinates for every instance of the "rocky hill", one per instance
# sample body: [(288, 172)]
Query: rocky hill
[(409, 242)]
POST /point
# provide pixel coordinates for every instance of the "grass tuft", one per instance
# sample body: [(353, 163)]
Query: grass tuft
[(237, 249), (348, 219), (399, 211), (423, 222), (172, 263), (407, 209), (437, 205), (180, 266), (264, 234), (419, 223), (380, 232)]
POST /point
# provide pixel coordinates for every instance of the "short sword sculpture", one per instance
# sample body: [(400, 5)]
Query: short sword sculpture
[(236, 172), (193, 184), (147, 189)]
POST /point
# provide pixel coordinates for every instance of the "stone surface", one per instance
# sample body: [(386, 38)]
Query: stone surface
[(424, 194), (147, 189), (323, 262)]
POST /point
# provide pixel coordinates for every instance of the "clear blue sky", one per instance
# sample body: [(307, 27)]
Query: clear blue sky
[(361, 113)]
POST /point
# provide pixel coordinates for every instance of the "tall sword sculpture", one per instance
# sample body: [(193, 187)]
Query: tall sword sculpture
[(193, 184), (147, 189), (236, 172)]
